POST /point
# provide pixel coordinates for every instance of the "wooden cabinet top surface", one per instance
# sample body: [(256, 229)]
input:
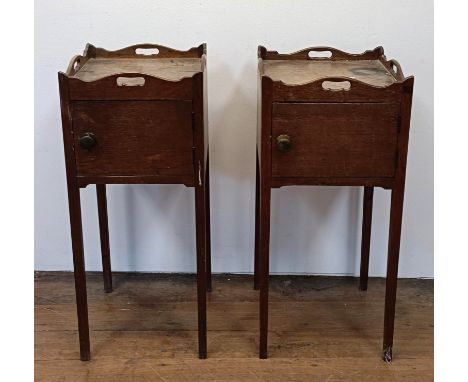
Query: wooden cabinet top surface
[(311, 64), (173, 69), (146, 59), (295, 72)]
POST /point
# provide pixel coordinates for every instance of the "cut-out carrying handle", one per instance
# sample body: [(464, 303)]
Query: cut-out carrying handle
[(75, 64), (336, 85), (146, 51), (320, 53), (130, 81), (396, 68), (142, 50)]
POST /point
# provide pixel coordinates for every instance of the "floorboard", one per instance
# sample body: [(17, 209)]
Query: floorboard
[(321, 329)]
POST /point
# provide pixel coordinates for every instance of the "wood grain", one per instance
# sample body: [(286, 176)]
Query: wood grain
[(134, 137), (335, 140), (107, 88), (358, 92), (297, 72), (321, 328), (172, 69), (367, 204), (101, 195)]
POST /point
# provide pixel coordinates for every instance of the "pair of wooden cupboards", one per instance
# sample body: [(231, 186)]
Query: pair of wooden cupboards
[(139, 115)]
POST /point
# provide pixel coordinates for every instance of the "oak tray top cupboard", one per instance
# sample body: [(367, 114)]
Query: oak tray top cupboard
[(135, 115), (338, 120)]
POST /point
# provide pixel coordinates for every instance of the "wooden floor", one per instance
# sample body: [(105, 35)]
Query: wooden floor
[(321, 329)]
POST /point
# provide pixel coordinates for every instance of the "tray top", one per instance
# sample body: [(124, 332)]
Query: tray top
[(173, 69), (296, 72)]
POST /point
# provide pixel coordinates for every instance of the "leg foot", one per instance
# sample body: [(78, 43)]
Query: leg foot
[(85, 355), (387, 355)]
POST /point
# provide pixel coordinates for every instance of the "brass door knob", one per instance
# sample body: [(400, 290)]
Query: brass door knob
[(283, 142), (88, 141)]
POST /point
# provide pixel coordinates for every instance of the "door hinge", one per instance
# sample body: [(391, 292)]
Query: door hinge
[(193, 138), (199, 174)]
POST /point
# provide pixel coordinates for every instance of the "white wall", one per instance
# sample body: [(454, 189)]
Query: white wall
[(314, 230)]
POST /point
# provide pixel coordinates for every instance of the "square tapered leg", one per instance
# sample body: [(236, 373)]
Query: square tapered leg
[(396, 214), (104, 234), (265, 196), (366, 236), (208, 230), (257, 226), (79, 269), (200, 217)]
